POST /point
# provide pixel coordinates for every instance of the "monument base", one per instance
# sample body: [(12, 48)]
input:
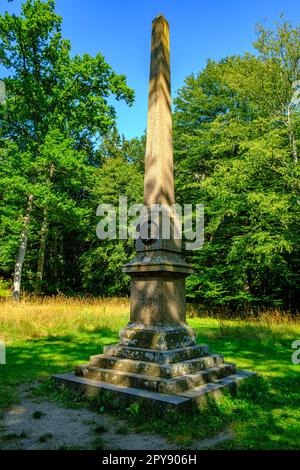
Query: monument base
[(158, 365)]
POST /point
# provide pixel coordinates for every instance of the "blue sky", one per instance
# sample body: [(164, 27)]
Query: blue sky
[(200, 29)]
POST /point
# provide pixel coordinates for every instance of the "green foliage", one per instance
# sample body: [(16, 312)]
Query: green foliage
[(55, 115), (257, 390), (45, 437), (236, 142), (47, 389), (4, 288), (99, 444), (134, 409), (237, 127), (37, 414), (100, 429), (116, 178)]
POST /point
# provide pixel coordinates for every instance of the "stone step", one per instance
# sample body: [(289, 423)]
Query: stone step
[(162, 338), (186, 382), (199, 395), (121, 395), (152, 355), (156, 402), (154, 369), (155, 384)]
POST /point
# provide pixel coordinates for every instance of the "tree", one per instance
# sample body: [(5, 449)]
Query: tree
[(50, 94), (236, 145), (119, 176)]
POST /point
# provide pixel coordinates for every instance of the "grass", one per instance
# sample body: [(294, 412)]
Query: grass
[(5, 290), (38, 415), (45, 438), (53, 335), (98, 444), (100, 429), (122, 430)]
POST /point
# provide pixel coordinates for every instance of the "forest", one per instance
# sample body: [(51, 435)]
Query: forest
[(236, 126)]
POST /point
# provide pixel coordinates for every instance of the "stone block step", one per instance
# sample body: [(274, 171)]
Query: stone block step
[(157, 337), (195, 379), (154, 402), (155, 369), (121, 395), (199, 395), (152, 355), (155, 384)]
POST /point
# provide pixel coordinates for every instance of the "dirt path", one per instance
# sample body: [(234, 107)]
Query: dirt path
[(38, 424)]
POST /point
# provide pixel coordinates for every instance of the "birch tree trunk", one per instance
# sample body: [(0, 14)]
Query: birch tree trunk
[(22, 251)]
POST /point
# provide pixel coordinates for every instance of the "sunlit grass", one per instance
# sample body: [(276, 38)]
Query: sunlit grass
[(4, 289), (52, 335), (36, 317)]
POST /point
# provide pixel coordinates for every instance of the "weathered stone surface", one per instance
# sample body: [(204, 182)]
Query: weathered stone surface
[(157, 298), (188, 381), (158, 261), (123, 396), (155, 384), (160, 337), (152, 355), (158, 272), (159, 178), (199, 395), (155, 369), (152, 401), (165, 229)]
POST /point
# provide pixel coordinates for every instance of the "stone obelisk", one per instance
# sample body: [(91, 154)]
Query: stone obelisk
[(157, 360), (159, 173), (158, 272)]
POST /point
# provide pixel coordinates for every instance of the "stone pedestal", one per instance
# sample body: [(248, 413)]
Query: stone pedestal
[(157, 287)]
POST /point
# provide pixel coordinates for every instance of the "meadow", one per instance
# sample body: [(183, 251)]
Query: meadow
[(52, 335)]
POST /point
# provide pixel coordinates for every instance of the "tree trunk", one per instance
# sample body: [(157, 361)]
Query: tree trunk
[(41, 254), (22, 250)]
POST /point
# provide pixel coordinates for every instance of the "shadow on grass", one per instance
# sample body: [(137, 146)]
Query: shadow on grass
[(260, 420), (36, 359), (259, 349)]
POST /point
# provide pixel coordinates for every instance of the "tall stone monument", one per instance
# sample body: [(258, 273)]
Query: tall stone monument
[(157, 312), (157, 359)]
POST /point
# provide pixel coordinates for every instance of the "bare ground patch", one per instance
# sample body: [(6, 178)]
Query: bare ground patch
[(35, 424)]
